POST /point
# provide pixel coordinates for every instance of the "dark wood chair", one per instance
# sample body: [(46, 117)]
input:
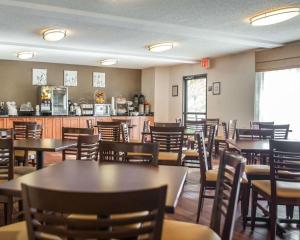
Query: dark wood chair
[(255, 124), (109, 131), (279, 131), (224, 207), (213, 122), (32, 131), (125, 132), (73, 134), (6, 170), (51, 219), (88, 148), (170, 141), (162, 124), (283, 188), (210, 144), (90, 123), (128, 152), (26, 130), (253, 134), (232, 124), (196, 125)]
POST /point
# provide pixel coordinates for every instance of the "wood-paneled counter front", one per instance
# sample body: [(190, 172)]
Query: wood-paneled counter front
[(52, 125)]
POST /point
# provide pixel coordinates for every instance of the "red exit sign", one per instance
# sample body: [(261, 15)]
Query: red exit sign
[(205, 63)]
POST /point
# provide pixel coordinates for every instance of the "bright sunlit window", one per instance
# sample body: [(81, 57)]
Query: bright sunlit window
[(277, 98)]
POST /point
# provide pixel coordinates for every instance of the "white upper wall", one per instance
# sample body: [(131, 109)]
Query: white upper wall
[(237, 76)]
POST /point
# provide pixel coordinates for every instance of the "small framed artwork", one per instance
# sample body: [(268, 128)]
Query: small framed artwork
[(98, 80), (70, 78), (216, 88), (39, 77), (174, 90)]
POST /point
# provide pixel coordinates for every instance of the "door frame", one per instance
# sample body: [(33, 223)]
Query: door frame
[(184, 89)]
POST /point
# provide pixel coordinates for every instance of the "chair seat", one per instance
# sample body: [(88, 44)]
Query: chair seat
[(16, 231), (257, 169), (21, 154), (175, 230), (220, 139), (136, 154), (191, 153), (23, 170), (212, 176), (284, 189), (168, 156)]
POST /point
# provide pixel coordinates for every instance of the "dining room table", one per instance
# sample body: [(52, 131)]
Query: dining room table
[(250, 146), (43, 145), (90, 176)]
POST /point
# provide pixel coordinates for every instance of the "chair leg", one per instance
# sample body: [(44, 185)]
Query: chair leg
[(273, 218), (200, 202), (245, 202), (253, 209), (5, 213)]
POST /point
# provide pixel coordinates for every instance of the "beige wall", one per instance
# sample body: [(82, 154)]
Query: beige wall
[(148, 86), (236, 74), (16, 81), (162, 86)]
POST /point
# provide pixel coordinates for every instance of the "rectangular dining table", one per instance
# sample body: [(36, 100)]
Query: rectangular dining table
[(43, 145), (250, 146), (90, 176)]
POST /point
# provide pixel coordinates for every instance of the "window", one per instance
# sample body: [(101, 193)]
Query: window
[(277, 98), (195, 96)]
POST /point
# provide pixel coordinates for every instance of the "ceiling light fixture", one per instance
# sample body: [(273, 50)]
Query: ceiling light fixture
[(107, 62), (54, 35), (161, 47), (275, 16), (25, 55)]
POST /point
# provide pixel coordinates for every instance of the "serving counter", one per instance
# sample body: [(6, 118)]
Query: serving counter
[(52, 125)]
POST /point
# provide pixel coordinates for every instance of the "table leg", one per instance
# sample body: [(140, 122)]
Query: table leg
[(39, 160), (8, 210)]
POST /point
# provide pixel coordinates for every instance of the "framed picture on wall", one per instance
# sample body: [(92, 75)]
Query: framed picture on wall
[(70, 78), (98, 79), (174, 90), (216, 88), (39, 77)]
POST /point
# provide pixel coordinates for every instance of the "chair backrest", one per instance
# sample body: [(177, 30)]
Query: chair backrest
[(213, 122), (253, 134), (210, 143), (120, 152), (125, 132), (226, 198), (162, 124), (196, 125), (109, 131), (231, 129), (225, 130), (88, 148), (6, 159), (89, 123), (49, 218), (202, 153), (20, 129), (170, 139), (6, 133), (34, 131), (73, 134), (178, 120), (284, 164), (255, 124), (279, 131)]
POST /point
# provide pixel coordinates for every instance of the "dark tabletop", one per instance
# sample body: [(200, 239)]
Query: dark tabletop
[(86, 176), (47, 145), (250, 146)]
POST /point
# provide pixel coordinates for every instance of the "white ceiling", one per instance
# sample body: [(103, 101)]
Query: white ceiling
[(100, 29)]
